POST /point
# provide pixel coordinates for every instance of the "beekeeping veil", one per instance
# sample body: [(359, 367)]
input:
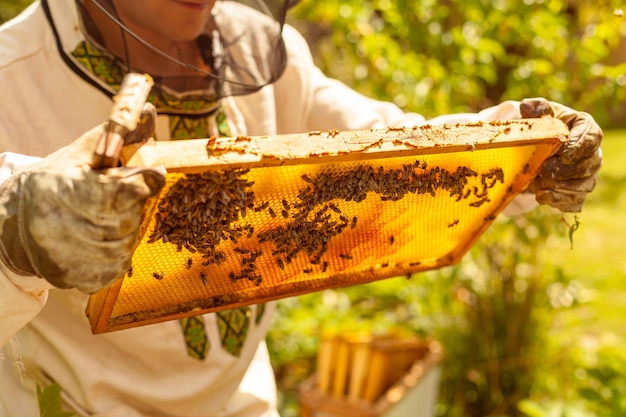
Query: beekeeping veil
[(242, 45)]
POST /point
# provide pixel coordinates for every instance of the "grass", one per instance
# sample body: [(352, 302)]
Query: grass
[(598, 258)]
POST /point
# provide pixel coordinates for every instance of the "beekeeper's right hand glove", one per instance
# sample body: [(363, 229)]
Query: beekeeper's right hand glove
[(72, 225)]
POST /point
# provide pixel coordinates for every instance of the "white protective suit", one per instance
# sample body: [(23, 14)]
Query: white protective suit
[(143, 371)]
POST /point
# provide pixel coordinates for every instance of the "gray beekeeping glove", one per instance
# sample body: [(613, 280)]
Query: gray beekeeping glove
[(566, 178), (72, 225)]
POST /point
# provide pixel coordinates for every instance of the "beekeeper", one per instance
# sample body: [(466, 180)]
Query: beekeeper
[(220, 68)]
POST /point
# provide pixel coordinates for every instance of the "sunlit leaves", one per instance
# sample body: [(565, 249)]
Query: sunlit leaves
[(474, 53)]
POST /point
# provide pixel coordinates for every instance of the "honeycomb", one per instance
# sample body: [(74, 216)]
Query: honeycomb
[(239, 223)]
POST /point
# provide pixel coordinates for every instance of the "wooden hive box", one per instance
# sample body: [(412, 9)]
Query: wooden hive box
[(370, 376)]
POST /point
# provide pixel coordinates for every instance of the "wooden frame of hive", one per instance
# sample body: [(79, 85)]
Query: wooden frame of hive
[(306, 212)]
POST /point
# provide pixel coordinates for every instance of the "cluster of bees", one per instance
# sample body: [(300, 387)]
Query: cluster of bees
[(201, 210)]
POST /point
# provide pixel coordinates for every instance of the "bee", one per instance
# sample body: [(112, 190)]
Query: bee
[(334, 208), (203, 278), (454, 223), (324, 266), (392, 240), (130, 272), (261, 207), (479, 202), (500, 175), (353, 225), (247, 273), (157, 275), (280, 263), (272, 213), (189, 263), (345, 256)]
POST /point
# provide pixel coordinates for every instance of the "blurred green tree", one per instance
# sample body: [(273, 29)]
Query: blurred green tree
[(439, 57)]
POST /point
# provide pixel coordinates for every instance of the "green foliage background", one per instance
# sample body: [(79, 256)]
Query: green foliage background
[(437, 57), (530, 326)]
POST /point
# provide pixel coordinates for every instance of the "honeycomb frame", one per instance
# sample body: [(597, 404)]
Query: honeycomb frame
[(247, 220)]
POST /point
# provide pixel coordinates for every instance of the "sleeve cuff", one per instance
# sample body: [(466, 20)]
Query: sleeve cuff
[(31, 284)]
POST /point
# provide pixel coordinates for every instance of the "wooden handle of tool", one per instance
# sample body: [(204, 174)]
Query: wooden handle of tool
[(128, 105)]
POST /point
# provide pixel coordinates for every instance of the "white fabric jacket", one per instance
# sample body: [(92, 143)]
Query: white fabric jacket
[(143, 371)]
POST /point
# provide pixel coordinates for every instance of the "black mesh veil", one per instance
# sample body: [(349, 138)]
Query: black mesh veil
[(254, 54), (242, 44)]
